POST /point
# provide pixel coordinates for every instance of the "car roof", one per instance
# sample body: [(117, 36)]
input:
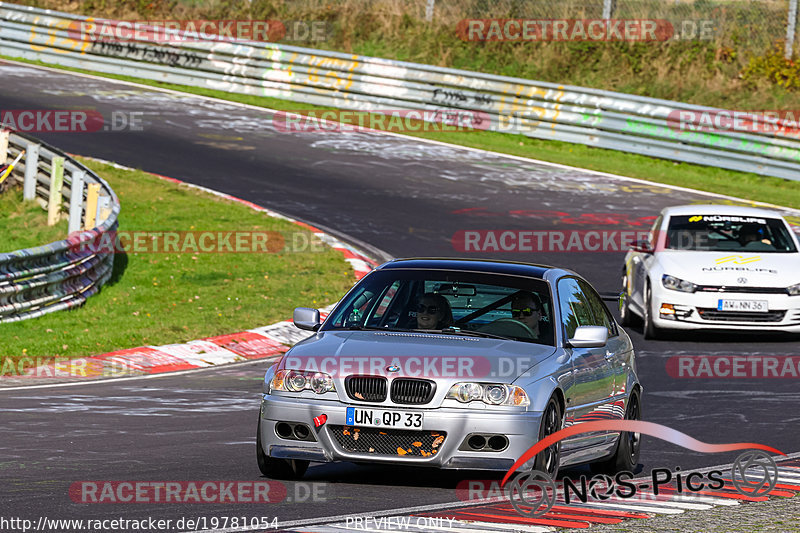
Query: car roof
[(471, 265), (715, 209)]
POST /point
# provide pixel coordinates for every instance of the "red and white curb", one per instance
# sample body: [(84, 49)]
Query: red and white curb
[(260, 343), (498, 515)]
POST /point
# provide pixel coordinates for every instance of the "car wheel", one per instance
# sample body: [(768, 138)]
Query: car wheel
[(626, 456), (625, 318), (651, 331), (547, 460), (277, 468)]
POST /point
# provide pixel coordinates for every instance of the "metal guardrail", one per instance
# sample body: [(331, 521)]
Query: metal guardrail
[(541, 110), (63, 274)]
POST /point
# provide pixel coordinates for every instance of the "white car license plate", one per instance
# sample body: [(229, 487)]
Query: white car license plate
[(357, 416), (753, 306)]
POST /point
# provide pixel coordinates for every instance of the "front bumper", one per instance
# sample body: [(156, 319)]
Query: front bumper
[(699, 310), (520, 427)]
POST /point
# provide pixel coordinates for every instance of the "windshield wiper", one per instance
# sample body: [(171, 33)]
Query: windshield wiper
[(473, 333), (356, 327)]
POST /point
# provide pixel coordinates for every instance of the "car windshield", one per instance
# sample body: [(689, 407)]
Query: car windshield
[(721, 233), (454, 303)]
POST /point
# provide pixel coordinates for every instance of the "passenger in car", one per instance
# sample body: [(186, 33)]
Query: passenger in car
[(433, 312), (750, 238)]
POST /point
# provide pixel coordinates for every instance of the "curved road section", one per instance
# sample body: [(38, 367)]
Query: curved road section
[(404, 196)]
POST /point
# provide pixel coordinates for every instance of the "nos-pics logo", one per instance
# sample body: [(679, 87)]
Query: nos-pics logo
[(754, 473)]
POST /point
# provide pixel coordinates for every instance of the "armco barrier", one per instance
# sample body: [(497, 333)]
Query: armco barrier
[(63, 274), (536, 109)]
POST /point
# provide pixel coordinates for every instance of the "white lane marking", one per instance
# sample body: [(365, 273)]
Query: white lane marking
[(781, 479), (702, 499), (663, 503), (477, 525), (631, 507), (408, 137), (788, 474)]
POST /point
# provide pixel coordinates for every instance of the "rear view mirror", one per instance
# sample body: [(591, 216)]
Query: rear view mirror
[(306, 318), (589, 337), (456, 290), (642, 246)]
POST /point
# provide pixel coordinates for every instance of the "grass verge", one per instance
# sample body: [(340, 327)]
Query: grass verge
[(743, 185), (25, 223), (161, 298)]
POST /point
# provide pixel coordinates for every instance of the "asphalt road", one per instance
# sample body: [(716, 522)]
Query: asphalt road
[(405, 197)]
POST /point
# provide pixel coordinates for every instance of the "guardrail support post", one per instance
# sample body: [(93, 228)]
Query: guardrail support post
[(92, 192), (4, 146), (76, 201), (56, 184), (791, 27), (429, 10), (103, 209), (31, 170)]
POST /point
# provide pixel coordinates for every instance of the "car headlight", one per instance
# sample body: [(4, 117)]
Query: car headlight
[(677, 284), (794, 290), (299, 380), (489, 393)]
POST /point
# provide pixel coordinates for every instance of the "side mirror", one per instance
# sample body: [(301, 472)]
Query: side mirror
[(642, 246), (589, 337), (306, 318)]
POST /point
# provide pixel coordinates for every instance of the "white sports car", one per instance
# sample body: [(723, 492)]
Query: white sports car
[(714, 267)]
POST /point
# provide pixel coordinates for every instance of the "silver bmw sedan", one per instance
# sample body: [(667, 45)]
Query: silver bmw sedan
[(457, 364)]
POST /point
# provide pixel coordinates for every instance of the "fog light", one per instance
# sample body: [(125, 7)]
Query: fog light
[(667, 311)]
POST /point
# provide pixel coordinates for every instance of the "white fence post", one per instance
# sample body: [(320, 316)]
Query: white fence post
[(791, 26), (76, 200), (4, 146), (609, 6), (31, 170), (429, 10)]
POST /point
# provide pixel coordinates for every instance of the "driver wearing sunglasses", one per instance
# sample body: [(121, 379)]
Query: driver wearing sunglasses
[(433, 312), (527, 308)]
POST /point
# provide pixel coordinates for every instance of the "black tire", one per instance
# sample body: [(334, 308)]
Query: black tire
[(626, 456), (650, 330), (547, 460), (277, 468), (625, 318)]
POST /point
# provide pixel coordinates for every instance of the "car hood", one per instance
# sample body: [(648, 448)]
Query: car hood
[(409, 354), (727, 268)]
